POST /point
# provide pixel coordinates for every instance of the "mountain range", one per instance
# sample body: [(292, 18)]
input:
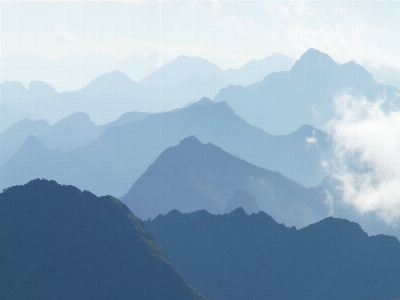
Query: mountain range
[(237, 256), (183, 80), (283, 101), (74, 131), (113, 162), (61, 243), (193, 176)]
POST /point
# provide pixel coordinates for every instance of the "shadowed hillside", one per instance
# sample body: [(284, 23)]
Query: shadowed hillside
[(61, 243)]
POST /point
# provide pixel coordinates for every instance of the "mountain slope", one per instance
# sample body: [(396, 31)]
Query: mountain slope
[(236, 256), (59, 242), (193, 176), (112, 163), (283, 101)]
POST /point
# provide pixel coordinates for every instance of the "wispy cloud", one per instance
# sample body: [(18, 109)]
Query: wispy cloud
[(241, 23), (61, 35), (366, 138)]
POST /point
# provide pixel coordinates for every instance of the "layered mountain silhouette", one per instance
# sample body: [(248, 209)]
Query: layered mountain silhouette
[(74, 131), (283, 101), (183, 80), (112, 163), (193, 176), (237, 256), (61, 243)]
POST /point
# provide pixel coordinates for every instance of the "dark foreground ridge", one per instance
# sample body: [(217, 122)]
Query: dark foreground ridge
[(237, 256), (60, 243)]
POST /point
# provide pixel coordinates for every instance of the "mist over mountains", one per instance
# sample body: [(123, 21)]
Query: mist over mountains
[(193, 176), (69, 133), (251, 195), (113, 162), (183, 80), (283, 101)]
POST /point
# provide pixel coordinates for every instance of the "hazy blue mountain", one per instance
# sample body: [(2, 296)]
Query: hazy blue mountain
[(244, 200), (115, 82), (9, 116), (69, 133), (193, 176), (256, 69), (236, 256), (102, 108), (14, 137), (125, 118), (181, 69), (40, 89), (112, 163), (61, 243), (283, 101), (14, 91)]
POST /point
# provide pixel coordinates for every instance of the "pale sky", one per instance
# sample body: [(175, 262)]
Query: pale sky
[(228, 33)]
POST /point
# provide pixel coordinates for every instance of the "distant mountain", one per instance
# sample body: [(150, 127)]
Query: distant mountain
[(102, 108), (14, 91), (9, 116), (255, 70), (115, 82), (183, 80), (237, 256), (193, 176), (181, 69), (112, 163), (283, 101), (61, 243), (69, 133)]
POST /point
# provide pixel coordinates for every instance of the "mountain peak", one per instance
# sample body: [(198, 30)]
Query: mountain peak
[(203, 102), (190, 140), (313, 60)]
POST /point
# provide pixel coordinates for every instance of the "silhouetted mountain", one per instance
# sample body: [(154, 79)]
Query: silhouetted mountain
[(112, 163), (193, 176), (69, 133), (61, 243), (283, 101), (181, 69), (236, 256)]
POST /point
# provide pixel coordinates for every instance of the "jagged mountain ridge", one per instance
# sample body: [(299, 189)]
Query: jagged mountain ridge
[(112, 163), (193, 176), (283, 101), (236, 256), (60, 242)]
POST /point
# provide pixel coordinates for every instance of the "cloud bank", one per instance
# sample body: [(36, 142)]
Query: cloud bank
[(366, 138)]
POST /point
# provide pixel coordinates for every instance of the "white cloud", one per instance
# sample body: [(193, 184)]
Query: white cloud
[(61, 35), (312, 140), (366, 138), (289, 8), (241, 23)]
